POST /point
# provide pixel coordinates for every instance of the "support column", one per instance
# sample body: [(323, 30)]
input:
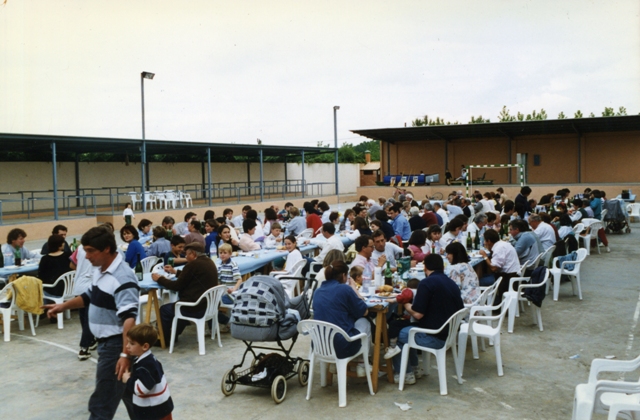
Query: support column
[(209, 174), (143, 162), (261, 177), (388, 158), (55, 180), (579, 158), (284, 188), (248, 176), (303, 181), (77, 170)]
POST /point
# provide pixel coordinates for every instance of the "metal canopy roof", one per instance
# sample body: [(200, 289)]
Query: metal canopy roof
[(10, 142), (504, 129)]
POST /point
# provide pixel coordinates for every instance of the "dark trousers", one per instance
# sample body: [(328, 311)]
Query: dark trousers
[(396, 325), (503, 287), (167, 313), (109, 390), (86, 338)]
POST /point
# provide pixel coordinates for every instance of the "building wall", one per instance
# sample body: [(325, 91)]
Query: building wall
[(567, 158)]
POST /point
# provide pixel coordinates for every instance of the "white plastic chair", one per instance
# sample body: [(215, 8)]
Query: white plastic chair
[(291, 285), (322, 349), (545, 257), (593, 234), (68, 280), (159, 199), (149, 263), (574, 274), (212, 296), (454, 324), (602, 396), (634, 211), (475, 329), (150, 200), (12, 308), (517, 296), (188, 202), (577, 229), (307, 233), (134, 199), (170, 198)]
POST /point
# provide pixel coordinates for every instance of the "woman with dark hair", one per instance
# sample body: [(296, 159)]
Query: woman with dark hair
[(453, 230), (314, 222), (144, 231), (54, 264), (347, 220), (360, 224), (432, 243), (135, 251), (324, 208), (209, 214), (334, 218), (565, 226), (336, 302), (211, 229), (224, 233), (417, 240), (270, 217), (461, 272)]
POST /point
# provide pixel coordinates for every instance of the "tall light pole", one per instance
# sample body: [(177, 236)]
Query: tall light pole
[(335, 143), (143, 151)]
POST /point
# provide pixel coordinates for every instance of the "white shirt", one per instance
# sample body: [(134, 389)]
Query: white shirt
[(505, 257), (237, 221), (333, 242), (487, 205), (444, 215), (391, 251), (325, 216), (546, 234)]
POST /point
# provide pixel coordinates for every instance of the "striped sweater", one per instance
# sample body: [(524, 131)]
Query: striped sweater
[(112, 298), (151, 396)]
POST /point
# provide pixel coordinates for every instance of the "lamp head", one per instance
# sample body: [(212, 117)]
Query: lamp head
[(335, 108), (147, 75)]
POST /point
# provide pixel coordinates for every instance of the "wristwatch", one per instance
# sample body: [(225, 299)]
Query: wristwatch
[(125, 355)]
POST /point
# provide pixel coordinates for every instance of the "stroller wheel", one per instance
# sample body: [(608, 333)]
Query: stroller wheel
[(279, 389), (303, 373), (228, 384)]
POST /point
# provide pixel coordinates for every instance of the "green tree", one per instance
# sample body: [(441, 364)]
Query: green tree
[(479, 120), (520, 116), (578, 114), (621, 111), (561, 116), (591, 115), (608, 112), (504, 115)]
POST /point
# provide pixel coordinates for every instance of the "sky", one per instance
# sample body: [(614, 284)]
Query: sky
[(238, 71)]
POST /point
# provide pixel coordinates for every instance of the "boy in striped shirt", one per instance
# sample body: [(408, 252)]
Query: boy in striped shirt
[(146, 380)]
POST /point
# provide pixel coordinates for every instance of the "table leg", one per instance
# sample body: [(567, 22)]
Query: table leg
[(380, 320), (385, 340), (152, 304)]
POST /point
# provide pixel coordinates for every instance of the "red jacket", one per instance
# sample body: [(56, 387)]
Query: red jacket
[(314, 222)]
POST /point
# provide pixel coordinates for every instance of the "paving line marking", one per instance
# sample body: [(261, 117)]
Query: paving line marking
[(636, 315), (69, 349)]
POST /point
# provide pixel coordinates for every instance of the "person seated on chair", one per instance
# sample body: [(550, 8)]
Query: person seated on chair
[(15, 245), (246, 240), (336, 301), (57, 230), (385, 251), (544, 231), (182, 228), (463, 174), (437, 298), (225, 237), (160, 244), (145, 235), (332, 242), (54, 264), (237, 221), (526, 243), (416, 222), (503, 262), (399, 223), (461, 272), (385, 226), (176, 252), (199, 275), (135, 251), (297, 224), (194, 234), (167, 224)]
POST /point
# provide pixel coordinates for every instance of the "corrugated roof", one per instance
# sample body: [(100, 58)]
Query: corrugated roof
[(371, 166), (504, 129)]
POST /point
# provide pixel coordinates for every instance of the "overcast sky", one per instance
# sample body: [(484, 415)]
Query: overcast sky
[(235, 71)]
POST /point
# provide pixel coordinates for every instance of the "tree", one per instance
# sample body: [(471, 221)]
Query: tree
[(608, 112), (504, 115), (561, 116), (479, 120), (520, 116), (591, 115), (578, 114), (621, 111)]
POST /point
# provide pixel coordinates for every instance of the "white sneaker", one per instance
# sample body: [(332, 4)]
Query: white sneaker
[(391, 351), (409, 378), (360, 370), (608, 249), (417, 372)]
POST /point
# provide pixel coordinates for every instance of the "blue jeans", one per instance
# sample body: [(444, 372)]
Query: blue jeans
[(106, 397), (424, 340)]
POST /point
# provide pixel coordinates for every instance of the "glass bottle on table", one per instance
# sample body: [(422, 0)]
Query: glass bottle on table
[(17, 257), (388, 275), (476, 241)]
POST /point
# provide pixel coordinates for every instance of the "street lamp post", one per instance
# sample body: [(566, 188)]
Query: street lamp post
[(335, 138), (143, 151)]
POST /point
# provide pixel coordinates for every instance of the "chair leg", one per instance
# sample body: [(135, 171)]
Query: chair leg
[(365, 357), (174, 325), (442, 372), (462, 349), (513, 306), (539, 313), (403, 366), (577, 277), (474, 346), (20, 315), (60, 321), (341, 369), (33, 330), (200, 328), (67, 314), (556, 284), (311, 363), (6, 324), (496, 346)]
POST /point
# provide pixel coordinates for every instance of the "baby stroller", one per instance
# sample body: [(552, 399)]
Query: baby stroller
[(617, 219), (263, 312)]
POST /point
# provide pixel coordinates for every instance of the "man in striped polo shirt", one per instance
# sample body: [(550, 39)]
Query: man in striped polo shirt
[(113, 306)]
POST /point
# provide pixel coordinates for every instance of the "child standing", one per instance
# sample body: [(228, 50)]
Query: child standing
[(146, 380), (228, 272), (396, 325), (128, 215), (275, 238)]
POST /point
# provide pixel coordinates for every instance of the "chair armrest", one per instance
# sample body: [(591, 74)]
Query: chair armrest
[(606, 365), (619, 387), (482, 308), (414, 331), (513, 280), (569, 262), (355, 337)]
